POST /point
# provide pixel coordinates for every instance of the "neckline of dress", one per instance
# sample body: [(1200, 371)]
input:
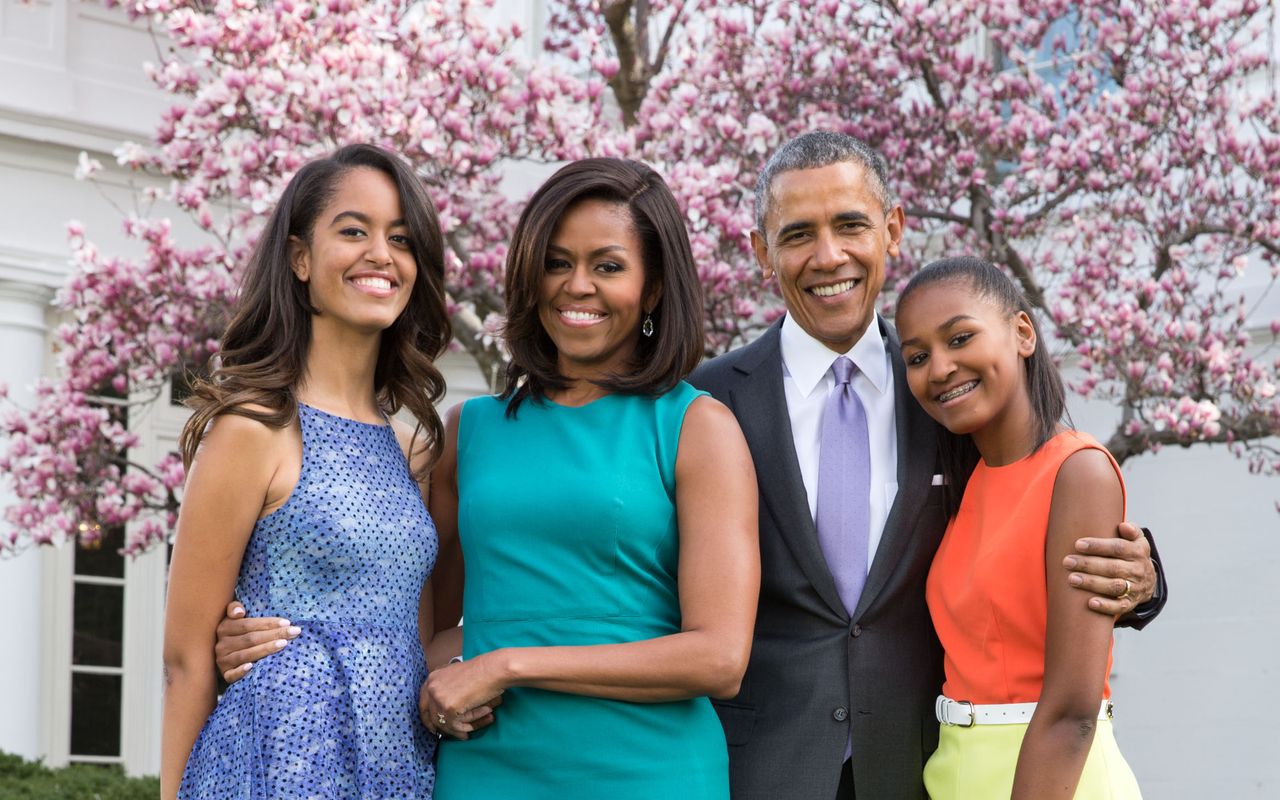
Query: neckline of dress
[(324, 413), (588, 404)]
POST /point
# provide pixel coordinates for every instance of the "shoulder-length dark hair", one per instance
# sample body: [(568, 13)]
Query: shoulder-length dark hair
[(660, 361), (957, 452), (264, 349)]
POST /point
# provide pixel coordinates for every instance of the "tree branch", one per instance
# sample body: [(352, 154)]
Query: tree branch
[(628, 83), (945, 216), (1255, 426), (1164, 261), (666, 39), (1052, 203)]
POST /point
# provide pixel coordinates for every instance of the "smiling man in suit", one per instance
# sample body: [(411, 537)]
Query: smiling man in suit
[(838, 698)]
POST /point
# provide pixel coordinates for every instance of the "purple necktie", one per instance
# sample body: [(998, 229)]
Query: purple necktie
[(844, 486)]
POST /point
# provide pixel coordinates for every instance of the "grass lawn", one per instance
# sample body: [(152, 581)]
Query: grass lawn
[(29, 780)]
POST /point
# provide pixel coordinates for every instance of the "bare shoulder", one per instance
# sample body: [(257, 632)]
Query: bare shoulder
[(404, 434), (238, 430), (1085, 473), (239, 449), (710, 433), (449, 447), (707, 415), (452, 421), (1087, 496)]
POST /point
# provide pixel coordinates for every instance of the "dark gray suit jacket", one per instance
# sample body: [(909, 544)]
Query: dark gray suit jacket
[(816, 675)]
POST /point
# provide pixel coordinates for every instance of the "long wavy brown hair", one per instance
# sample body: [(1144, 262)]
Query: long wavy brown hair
[(264, 350)]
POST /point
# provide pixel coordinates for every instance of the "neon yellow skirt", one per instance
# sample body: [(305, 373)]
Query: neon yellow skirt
[(978, 763)]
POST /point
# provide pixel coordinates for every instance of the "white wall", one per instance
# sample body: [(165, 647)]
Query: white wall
[(1196, 690), (70, 79), (22, 331)]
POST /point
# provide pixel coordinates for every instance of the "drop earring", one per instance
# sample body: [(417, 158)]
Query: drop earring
[(647, 326)]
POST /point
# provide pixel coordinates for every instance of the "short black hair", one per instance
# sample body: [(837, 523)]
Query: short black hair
[(820, 149)]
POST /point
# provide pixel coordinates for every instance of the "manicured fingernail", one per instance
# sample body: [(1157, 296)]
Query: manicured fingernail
[(294, 630), (1071, 562), (280, 643), (284, 623), (1095, 603), (1075, 580), (1082, 544), (248, 666)]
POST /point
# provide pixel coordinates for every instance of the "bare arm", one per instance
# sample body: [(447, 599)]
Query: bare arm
[(228, 487), (1087, 501), (447, 577), (719, 581)]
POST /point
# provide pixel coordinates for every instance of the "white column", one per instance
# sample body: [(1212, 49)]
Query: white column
[(22, 341)]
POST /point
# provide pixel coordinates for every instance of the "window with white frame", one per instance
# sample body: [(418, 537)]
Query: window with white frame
[(97, 665)]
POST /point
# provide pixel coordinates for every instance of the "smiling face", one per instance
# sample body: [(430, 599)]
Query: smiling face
[(358, 265), (826, 240), (966, 364), (592, 296)]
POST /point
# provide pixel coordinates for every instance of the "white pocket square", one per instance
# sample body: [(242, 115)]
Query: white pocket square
[(938, 480)]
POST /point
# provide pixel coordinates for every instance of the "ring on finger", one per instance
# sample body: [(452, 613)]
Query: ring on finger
[(1127, 586)]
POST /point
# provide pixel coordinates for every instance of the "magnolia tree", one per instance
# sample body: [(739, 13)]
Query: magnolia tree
[(1121, 159)]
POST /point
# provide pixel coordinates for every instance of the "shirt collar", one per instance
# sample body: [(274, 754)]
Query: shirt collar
[(807, 360)]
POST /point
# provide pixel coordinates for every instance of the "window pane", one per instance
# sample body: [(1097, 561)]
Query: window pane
[(98, 625), (102, 557), (95, 715)]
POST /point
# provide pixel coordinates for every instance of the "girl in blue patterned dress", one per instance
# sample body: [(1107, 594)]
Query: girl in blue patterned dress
[(301, 500)]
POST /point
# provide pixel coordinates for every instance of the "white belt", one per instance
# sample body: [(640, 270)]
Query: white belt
[(964, 714)]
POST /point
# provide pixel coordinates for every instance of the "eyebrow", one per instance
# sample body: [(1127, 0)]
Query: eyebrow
[(843, 216), (363, 218), (599, 251), (949, 323)]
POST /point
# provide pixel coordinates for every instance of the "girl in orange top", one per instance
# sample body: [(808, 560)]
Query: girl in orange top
[(1025, 710)]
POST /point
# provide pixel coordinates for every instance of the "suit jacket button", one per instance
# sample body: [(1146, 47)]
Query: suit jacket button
[(856, 631), (840, 714)]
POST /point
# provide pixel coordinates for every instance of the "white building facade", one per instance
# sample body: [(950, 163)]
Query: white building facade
[(80, 679)]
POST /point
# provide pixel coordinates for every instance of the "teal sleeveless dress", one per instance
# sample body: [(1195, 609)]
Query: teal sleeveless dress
[(568, 526)]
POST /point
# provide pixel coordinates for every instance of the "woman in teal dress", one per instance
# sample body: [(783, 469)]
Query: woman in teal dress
[(606, 513)]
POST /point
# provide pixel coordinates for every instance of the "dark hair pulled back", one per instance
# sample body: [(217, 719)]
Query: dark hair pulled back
[(1048, 397)]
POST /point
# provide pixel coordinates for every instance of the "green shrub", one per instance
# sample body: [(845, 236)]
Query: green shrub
[(30, 780)]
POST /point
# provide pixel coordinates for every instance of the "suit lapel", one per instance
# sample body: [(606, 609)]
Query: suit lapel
[(917, 456), (761, 406)]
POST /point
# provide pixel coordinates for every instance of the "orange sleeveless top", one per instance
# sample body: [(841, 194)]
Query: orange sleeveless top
[(986, 589)]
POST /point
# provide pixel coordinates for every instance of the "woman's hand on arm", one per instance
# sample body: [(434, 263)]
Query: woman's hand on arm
[(227, 488), (1087, 501), (719, 582)]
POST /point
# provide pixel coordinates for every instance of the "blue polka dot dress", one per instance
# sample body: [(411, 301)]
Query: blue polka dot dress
[(334, 714)]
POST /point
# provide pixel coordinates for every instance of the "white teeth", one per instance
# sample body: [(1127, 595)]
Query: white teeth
[(963, 388), (373, 283), (581, 315), (834, 289)]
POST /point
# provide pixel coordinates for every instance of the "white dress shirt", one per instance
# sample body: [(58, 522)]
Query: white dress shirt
[(807, 381)]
